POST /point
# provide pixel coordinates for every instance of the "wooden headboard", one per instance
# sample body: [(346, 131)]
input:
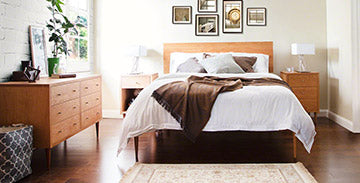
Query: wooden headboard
[(244, 47)]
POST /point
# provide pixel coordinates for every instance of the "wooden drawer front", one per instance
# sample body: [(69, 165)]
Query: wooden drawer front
[(306, 92), (303, 80), (90, 101), (91, 116), (64, 129), (90, 86), (65, 110), (60, 94), (310, 105), (135, 81)]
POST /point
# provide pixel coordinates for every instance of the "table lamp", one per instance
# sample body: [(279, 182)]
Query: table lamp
[(301, 50), (136, 51)]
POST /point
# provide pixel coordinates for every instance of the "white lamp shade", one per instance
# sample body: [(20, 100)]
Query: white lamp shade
[(137, 51), (302, 49)]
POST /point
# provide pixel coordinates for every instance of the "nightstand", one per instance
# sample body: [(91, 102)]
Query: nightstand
[(131, 85), (306, 88)]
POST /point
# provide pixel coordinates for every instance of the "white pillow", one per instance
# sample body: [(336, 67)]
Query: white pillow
[(261, 64), (221, 63), (178, 58)]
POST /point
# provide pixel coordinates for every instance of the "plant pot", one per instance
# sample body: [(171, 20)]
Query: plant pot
[(53, 65)]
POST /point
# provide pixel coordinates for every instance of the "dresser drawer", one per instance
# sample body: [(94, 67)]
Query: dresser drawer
[(90, 101), (90, 86), (64, 93), (310, 105), (135, 81), (306, 92), (65, 110), (91, 116), (64, 129), (303, 80)]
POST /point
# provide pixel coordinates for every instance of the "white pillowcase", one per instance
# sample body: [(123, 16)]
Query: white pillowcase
[(261, 64), (222, 63), (177, 58)]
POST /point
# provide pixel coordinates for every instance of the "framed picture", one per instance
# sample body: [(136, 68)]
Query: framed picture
[(38, 49), (256, 16), (181, 14), (207, 6), (207, 25), (232, 16)]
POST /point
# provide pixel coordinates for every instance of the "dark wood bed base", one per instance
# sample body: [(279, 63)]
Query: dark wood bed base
[(136, 144)]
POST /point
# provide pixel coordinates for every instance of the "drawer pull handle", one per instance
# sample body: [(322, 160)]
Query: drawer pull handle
[(87, 117), (59, 113), (86, 88), (74, 91), (59, 131), (59, 94), (74, 107), (97, 84), (98, 113), (86, 102), (97, 98), (74, 124)]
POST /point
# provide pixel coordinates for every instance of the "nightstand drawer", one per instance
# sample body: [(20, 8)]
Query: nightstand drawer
[(310, 105), (135, 81), (303, 80), (306, 92)]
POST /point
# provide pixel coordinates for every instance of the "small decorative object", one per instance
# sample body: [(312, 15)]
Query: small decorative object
[(15, 152), (301, 50), (207, 25), (59, 26), (38, 48), (136, 51), (207, 6), (256, 16), (31, 74), (182, 14), (25, 64), (60, 76), (232, 16)]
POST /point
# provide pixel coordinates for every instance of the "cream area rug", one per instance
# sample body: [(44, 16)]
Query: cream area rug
[(218, 173)]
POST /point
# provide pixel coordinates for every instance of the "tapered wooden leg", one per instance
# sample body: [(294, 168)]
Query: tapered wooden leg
[(294, 147), (315, 117), (136, 143), (97, 129), (48, 157)]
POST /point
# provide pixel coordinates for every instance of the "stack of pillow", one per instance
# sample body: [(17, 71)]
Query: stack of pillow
[(216, 63)]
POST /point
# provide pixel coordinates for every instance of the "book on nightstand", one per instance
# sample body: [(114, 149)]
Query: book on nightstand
[(60, 76)]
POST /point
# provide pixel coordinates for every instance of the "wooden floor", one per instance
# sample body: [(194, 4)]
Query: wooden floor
[(335, 155)]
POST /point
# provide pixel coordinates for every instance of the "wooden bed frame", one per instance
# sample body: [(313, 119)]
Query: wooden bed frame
[(244, 47)]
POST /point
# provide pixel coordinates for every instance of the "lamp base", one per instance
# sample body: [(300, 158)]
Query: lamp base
[(135, 73)]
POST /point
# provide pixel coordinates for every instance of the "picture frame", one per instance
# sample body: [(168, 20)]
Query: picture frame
[(207, 25), (182, 15), (256, 16), (207, 6), (233, 16), (38, 49)]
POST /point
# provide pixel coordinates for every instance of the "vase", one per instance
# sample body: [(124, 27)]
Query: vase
[(53, 66)]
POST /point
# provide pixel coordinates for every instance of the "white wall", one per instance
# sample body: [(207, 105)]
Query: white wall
[(148, 22), (15, 18), (339, 40)]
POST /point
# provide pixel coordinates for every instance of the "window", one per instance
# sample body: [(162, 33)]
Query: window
[(78, 60)]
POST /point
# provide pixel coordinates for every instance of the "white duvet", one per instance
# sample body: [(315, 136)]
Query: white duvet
[(252, 108)]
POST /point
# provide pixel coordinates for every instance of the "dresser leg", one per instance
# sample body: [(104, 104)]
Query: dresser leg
[(97, 129), (48, 157), (315, 118)]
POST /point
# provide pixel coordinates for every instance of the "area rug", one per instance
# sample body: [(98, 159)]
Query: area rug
[(218, 173)]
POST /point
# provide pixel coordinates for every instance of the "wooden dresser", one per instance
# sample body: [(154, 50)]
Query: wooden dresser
[(306, 88), (130, 85), (57, 108)]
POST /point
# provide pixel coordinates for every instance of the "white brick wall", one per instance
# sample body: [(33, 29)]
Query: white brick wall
[(15, 18)]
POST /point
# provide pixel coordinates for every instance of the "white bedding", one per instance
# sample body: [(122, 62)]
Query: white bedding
[(252, 108)]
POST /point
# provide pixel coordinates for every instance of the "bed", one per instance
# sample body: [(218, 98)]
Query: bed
[(258, 108)]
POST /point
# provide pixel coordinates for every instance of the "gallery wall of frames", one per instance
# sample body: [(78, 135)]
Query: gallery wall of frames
[(207, 16)]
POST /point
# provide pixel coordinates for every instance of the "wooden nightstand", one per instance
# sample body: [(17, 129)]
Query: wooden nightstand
[(131, 85), (306, 88)]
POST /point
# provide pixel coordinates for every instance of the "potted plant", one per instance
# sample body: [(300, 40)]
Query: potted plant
[(59, 26)]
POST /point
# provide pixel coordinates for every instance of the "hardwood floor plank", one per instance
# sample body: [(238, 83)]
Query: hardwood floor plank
[(335, 156)]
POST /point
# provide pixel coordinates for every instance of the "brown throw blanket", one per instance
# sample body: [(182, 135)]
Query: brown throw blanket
[(190, 102)]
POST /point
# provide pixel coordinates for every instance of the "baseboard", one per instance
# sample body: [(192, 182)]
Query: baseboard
[(347, 124), (112, 114)]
